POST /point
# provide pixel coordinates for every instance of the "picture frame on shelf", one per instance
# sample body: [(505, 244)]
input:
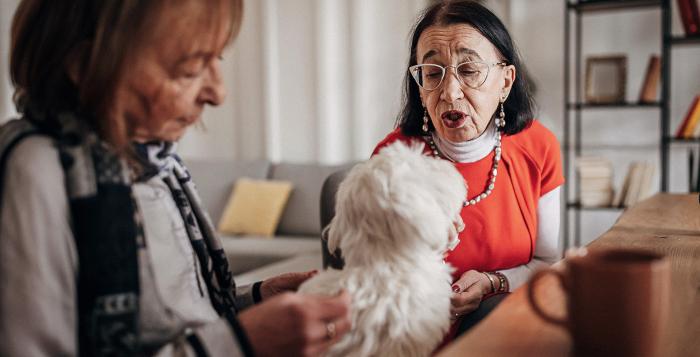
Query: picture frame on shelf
[(606, 79)]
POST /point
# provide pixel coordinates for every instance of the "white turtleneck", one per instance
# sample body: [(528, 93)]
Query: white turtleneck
[(470, 150), (547, 249)]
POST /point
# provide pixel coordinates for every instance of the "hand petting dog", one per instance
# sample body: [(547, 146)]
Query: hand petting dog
[(468, 290), (283, 283)]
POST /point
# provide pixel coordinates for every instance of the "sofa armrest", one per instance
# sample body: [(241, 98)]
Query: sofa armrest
[(328, 194), (299, 263)]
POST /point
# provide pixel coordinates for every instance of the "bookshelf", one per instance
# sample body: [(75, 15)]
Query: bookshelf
[(574, 104), (684, 140)]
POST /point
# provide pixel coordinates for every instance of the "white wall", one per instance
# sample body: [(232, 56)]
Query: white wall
[(310, 81)]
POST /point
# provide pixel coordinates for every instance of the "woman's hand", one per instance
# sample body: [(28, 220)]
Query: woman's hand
[(468, 292), (284, 282), (296, 325)]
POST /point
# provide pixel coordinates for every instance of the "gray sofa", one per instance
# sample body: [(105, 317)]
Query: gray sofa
[(296, 245)]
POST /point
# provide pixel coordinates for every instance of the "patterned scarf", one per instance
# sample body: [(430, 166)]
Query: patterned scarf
[(160, 159), (107, 227)]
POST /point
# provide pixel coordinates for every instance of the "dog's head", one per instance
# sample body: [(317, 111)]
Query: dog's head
[(398, 202)]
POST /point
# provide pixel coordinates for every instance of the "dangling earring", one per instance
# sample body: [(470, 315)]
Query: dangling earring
[(425, 121), (501, 121)]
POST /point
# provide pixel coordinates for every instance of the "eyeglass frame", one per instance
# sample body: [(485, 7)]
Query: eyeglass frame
[(444, 72)]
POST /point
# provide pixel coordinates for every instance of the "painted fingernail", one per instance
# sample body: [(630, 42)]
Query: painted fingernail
[(455, 288)]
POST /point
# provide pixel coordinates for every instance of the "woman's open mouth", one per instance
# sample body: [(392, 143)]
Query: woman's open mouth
[(453, 118)]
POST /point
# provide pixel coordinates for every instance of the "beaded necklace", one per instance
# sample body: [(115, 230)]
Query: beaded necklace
[(494, 168)]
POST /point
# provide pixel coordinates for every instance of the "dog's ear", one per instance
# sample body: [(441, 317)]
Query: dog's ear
[(333, 240)]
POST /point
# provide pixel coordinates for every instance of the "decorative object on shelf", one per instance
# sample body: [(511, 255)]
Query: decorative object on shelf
[(606, 77), (690, 17), (595, 175), (637, 184), (649, 89), (689, 127)]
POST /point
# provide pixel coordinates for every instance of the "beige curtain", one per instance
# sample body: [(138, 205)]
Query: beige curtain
[(7, 9)]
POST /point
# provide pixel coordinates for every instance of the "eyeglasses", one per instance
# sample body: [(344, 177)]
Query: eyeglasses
[(472, 74)]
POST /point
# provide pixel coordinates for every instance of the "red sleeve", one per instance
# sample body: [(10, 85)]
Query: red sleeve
[(551, 167)]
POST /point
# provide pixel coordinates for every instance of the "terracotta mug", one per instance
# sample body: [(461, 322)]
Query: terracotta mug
[(618, 301)]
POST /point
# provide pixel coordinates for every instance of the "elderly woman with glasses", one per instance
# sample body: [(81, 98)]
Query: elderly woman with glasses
[(467, 100)]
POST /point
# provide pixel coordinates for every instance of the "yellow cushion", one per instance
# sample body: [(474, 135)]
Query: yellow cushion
[(255, 207)]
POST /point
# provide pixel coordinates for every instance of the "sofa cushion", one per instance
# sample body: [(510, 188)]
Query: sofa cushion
[(215, 179), (251, 252), (255, 207), (301, 216)]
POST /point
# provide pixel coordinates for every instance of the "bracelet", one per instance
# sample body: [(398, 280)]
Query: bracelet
[(503, 285), (493, 283)]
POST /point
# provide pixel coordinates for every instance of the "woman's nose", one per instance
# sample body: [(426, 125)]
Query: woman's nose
[(213, 91), (452, 88)]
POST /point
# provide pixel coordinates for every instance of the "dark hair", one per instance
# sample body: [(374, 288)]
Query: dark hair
[(101, 37), (519, 107)]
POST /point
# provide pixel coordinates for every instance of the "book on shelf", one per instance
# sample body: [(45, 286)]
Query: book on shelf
[(688, 126), (649, 89), (696, 130), (690, 16), (635, 177), (596, 198), (622, 192), (595, 180), (645, 189), (636, 186), (693, 171)]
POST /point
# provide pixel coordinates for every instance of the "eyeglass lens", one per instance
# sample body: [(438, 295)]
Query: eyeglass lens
[(430, 76)]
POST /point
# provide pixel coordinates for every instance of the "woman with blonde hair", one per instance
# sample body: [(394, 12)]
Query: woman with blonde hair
[(104, 247)]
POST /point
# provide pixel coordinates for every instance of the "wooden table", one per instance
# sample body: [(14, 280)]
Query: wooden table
[(666, 223)]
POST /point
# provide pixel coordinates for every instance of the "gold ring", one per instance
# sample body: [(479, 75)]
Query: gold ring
[(330, 330)]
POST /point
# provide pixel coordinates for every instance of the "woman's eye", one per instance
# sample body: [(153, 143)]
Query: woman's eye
[(433, 73), (191, 69), (191, 72)]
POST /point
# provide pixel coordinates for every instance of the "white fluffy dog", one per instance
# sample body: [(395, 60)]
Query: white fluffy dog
[(396, 215)]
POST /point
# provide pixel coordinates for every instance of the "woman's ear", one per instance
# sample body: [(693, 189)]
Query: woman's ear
[(508, 80), (76, 61)]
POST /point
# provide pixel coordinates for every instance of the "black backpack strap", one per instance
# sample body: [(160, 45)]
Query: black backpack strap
[(11, 134), (107, 234)]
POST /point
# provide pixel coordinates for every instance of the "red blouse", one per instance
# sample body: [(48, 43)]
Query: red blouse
[(501, 230)]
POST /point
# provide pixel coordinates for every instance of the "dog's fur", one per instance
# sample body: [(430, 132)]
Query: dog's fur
[(395, 217)]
